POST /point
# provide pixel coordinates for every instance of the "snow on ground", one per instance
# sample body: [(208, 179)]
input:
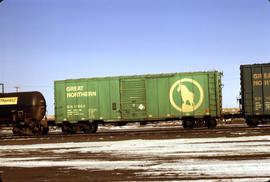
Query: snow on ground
[(75, 164), (237, 157)]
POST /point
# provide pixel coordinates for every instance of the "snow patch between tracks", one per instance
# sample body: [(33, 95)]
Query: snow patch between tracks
[(208, 157)]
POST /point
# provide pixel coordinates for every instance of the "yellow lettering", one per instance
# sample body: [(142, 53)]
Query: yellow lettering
[(257, 76), (257, 83), (266, 75), (74, 88), (266, 82), (81, 94)]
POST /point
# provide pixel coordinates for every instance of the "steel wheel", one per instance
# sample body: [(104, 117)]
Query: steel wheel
[(188, 124), (211, 123)]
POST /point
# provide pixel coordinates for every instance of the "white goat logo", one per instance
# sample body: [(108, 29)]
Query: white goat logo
[(191, 98), (186, 95)]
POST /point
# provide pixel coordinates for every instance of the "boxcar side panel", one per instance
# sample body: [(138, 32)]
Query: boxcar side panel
[(257, 77), (93, 101), (152, 98), (163, 97), (266, 89), (80, 103), (87, 99), (103, 94), (60, 101), (109, 100), (115, 101)]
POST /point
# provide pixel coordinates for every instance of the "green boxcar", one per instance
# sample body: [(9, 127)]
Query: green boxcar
[(193, 97), (255, 93)]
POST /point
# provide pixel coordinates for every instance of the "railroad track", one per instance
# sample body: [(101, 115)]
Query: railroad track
[(98, 134), (161, 131)]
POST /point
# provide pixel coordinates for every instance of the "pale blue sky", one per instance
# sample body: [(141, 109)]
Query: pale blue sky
[(46, 40)]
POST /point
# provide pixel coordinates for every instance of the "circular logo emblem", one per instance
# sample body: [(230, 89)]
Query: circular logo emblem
[(186, 98)]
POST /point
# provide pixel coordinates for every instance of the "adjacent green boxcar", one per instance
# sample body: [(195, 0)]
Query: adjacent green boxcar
[(255, 93), (194, 97)]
